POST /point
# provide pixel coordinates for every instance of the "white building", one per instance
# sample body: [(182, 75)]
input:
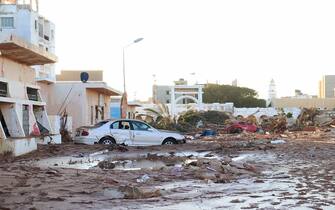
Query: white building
[(272, 91), (20, 18)]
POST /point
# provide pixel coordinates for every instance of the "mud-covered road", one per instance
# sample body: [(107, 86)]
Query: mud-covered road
[(202, 174)]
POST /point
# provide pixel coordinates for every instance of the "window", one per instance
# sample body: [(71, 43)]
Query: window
[(120, 125), (52, 34), (115, 125), (167, 92), (7, 22), (124, 125), (40, 30), (168, 101), (36, 25), (32, 94), (139, 126), (3, 89)]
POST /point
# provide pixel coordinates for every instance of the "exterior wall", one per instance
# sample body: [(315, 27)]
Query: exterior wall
[(70, 96), (180, 108), (27, 25), (17, 76), (77, 99), (93, 101), (161, 94), (328, 103), (70, 75)]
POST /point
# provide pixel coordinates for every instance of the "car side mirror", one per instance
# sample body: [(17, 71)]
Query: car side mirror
[(150, 129)]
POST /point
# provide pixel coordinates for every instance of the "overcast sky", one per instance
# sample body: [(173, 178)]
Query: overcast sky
[(291, 41)]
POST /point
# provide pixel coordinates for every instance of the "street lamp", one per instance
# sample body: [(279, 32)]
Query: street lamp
[(124, 101), (124, 62)]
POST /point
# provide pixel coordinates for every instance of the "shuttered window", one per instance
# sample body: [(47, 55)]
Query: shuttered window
[(7, 22)]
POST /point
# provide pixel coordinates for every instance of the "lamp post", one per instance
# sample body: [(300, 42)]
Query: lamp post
[(124, 61), (124, 101)]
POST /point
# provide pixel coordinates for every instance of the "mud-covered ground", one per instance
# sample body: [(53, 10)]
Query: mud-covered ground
[(220, 173)]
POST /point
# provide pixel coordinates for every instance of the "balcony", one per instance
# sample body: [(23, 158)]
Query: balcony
[(25, 53)]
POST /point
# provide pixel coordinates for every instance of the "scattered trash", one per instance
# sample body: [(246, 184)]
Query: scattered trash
[(106, 165), (279, 141), (143, 178), (208, 132), (132, 192), (176, 170)]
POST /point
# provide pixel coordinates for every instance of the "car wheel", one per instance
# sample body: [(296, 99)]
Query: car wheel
[(238, 130), (169, 141), (107, 140)]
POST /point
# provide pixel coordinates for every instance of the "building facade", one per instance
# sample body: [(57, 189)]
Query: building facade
[(21, 18), (87, 103), (322, 103), (327, 86), (23, 116)]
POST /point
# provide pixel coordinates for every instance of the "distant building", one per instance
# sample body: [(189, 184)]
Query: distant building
[(234, 83), (323, 103), (300, 95), (272, 92), (327, 86), (21, 18), (162, 93), (179, 94)]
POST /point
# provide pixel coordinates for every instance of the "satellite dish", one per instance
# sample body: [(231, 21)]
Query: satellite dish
[(84, 77)]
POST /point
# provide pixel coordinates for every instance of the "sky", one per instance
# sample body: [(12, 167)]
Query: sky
[(291, 41)]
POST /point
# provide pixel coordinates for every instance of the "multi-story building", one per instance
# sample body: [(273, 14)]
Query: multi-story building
[(327, 86), (21, 18), (163, 93), (23, 117), (178, 95)]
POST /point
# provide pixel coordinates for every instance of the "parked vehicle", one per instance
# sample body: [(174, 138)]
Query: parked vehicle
[(240, 127), (128, 132)]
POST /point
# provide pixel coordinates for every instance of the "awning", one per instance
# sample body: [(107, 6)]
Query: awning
[(102, 87), (25, 53)]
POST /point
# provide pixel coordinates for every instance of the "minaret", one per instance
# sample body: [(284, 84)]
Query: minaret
[(272, 91)]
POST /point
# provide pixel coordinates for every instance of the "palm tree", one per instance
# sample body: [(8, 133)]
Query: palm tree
[(162, 117)]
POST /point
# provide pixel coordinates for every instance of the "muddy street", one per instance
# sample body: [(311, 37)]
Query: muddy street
[(295, 173)]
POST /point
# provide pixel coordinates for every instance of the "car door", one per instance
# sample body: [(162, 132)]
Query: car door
[(121, 132), (144, 135)]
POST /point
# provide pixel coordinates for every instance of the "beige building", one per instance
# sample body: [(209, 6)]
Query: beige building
[(324, 103), (327, 86), (87, 103), (23, 115)]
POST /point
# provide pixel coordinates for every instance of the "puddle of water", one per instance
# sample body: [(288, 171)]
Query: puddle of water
[(132, 161), (70, 162)]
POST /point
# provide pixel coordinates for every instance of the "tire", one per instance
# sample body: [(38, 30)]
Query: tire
[(169, 141), (107, 140), (238, 130)]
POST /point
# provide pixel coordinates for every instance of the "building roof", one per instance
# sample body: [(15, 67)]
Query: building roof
[(98, 86), (25, 53)]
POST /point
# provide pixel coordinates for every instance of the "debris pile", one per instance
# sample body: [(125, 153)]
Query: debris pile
[(275, 124), (310, 119)]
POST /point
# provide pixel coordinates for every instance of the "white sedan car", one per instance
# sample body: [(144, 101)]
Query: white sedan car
[(128, 132)]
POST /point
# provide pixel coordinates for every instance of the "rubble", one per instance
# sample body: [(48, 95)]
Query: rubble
[(106, 165), (132, 192)]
